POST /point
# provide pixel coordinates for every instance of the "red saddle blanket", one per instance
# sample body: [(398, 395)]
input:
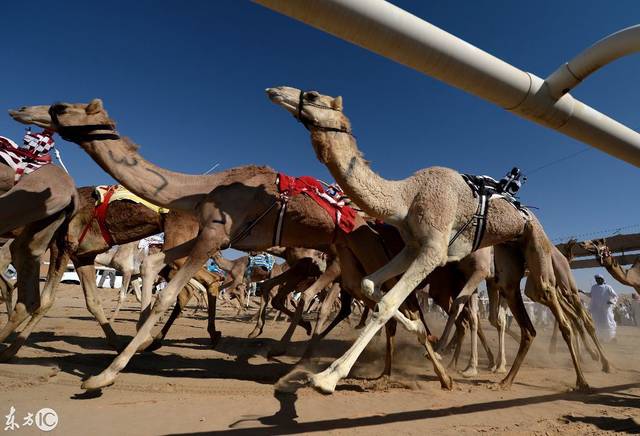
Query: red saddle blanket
[(331, 200)]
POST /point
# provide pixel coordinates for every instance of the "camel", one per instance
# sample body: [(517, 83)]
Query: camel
[(628, 277), (126, 258), (429, 209), (33, 208), (234, 208), (80, 240)]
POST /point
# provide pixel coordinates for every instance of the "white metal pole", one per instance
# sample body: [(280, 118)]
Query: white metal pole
[(394, 33), (603, 52)]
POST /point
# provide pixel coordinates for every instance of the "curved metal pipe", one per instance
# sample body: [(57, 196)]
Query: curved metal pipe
[(394, 33), (603, 52)]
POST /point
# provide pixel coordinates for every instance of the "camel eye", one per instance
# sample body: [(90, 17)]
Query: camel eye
[(312, 96)]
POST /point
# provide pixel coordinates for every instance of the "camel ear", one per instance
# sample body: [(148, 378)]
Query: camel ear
[(94, 107), (337, 103)]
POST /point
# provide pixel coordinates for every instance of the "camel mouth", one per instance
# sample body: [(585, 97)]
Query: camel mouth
[(24, 117), (277, 97)]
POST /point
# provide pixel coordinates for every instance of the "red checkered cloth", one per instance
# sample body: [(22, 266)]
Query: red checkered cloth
[(29, 158), (331, 200)]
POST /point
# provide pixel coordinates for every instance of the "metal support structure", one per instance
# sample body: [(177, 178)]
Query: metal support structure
[(396, 34), (603, 52)]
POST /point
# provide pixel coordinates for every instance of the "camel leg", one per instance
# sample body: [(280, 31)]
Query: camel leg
[(460, 301), (363, 318), (198, 256), (325, 311), (456, 343), (425, 260), (265, 297), (527, 333), (553, 342), (151, 267), (26, 252), (396, 266), (485, 346), (472, 367), (6, 287), (87, 273), (122, 295), (181, 303), (498, 318), (212, 299), (326, 308), (331, 273), (58, 263), (390, 330), (591, 331)]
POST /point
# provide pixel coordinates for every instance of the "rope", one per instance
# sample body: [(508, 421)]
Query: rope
[(562, 159), (59, 157), (613, 231)]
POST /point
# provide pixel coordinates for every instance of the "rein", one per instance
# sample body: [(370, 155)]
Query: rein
[(86, 132)]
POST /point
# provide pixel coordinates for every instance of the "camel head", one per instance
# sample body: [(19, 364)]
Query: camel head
[(318, 113), (68, 119), (598, 247)]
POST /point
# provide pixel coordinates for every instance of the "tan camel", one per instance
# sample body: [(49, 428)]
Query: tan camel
[(237, 208), (125, 258), (428, 208), (628, 277), (39, 203)]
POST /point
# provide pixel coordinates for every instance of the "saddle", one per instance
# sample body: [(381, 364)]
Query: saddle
[(23, 161), (487, 188)]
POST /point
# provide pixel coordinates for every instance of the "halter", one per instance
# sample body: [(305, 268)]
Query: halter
[(308, 124), (83, 133), (604, 253)]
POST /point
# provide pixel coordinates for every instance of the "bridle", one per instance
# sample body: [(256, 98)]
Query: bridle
[(82, 133), (308, 124), (603, 253)]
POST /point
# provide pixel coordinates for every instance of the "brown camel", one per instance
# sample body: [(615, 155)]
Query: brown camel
[(429, 208), (126, 222), (236, 207), (629, 276)]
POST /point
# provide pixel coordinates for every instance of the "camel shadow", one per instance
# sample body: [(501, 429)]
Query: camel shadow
[(284, 422), (608, 423)]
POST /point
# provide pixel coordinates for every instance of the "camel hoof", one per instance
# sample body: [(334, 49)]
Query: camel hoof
[(96, 382), (499, 370), (470, 372), (583, 387), (215, 339), (325, 384), (447, 384)]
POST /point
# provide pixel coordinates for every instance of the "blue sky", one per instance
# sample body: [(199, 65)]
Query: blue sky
[(186, 80)]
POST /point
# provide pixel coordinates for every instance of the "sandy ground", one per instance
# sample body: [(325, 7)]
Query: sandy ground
[(186, 387)]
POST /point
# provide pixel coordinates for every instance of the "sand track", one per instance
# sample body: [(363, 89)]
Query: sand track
[(186, 387)]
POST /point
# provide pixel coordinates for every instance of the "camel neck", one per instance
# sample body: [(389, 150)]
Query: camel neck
[(617, 272), (367, 189), (157, 185)]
